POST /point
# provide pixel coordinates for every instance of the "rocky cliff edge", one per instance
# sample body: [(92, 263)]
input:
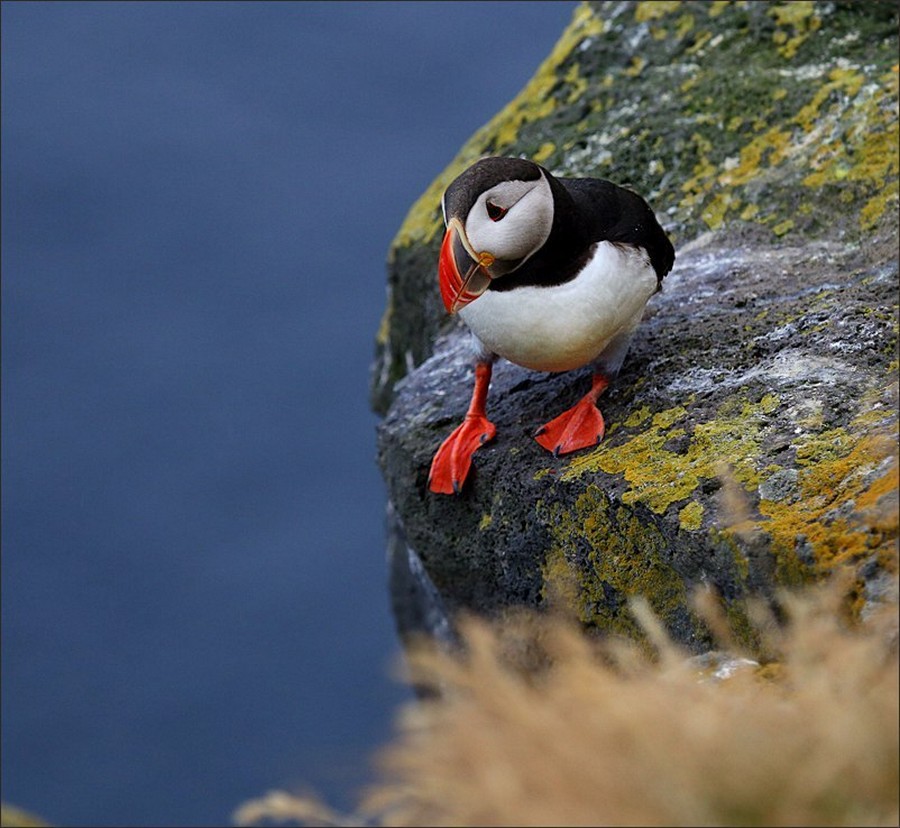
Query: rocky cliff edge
[(752, 433)]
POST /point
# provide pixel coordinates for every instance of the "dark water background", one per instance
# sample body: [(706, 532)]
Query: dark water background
[(197, 203)]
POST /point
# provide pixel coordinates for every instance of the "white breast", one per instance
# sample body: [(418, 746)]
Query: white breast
[(566, 326)]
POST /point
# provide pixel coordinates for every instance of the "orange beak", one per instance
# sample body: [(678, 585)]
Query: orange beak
[(462, 272)]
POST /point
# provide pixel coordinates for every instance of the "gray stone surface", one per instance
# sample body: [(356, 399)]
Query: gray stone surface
[(752, 434)]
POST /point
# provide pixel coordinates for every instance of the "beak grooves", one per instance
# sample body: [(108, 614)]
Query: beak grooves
[(461, 275)]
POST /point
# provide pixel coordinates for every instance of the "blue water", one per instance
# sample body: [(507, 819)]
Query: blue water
[(197, 203)]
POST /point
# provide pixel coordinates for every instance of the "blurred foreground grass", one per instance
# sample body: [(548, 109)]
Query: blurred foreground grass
[(535, 724)]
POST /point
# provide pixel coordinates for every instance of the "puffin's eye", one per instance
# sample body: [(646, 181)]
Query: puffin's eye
[(495, 212)]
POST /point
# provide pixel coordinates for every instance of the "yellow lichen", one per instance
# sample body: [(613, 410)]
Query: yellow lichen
[(846, 130), (666, 419), (699, 42), (783, 227), (543, 152), (714, 212), (769, 148), (843, 79), (800, 18), (834, 467), (690, 517), (635, 67), (684, 24), (638, 416), (874, 208), (658, 476), (654, 9), (560, 586), (625, 555), (578, 83), (866, 153), (688, 84), (845, 505)]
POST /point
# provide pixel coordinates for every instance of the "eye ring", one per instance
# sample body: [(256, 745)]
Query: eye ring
[(495, 211)]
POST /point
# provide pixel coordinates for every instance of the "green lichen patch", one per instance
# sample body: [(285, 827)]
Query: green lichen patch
[(658, 476), (690, 517), (621, 556), (644, 11), (795, 21)]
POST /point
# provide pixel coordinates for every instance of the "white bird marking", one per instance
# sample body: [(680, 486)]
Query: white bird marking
[(565, 326)]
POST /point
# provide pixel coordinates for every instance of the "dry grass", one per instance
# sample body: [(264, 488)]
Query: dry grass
[(537, 725)]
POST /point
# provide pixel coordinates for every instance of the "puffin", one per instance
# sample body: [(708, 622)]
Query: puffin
[(552, 274)]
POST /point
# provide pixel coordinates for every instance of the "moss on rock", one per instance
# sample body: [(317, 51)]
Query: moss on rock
[(783, 115), (752, 434)]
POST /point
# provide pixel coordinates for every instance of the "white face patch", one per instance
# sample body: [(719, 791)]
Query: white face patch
[(525, 210)]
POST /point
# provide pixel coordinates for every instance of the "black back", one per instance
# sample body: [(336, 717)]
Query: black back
[(619, 215)]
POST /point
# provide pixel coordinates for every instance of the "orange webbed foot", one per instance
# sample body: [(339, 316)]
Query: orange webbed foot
[(453, 460), (579, 427), (582, 426)]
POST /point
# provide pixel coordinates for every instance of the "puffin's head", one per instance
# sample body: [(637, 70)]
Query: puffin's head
[(498, 213)]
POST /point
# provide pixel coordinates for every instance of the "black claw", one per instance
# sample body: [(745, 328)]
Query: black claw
[(556, 451), (456, 487), (483, 438)]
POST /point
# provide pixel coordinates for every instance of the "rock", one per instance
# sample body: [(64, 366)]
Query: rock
[(751, 435)]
